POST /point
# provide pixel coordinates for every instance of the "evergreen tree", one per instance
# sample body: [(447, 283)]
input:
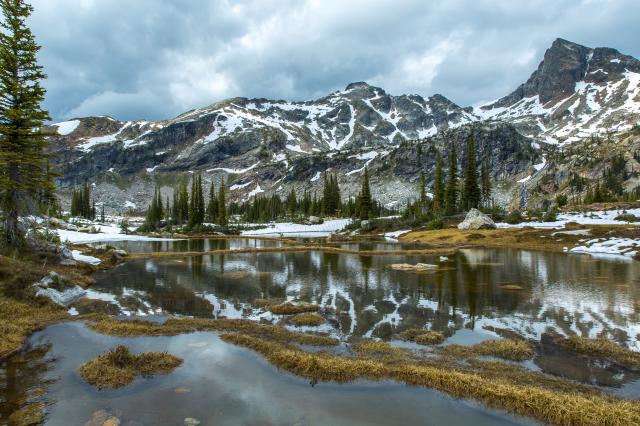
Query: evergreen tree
[(292, 202), (222, 205), (365, 205), (451, 189), (438, 187), (485, 179), (196, 206), (102, 213), (212, 205), (23, 161), (471, 194)]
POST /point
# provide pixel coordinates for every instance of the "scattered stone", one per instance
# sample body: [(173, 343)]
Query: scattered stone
[(475, 219), (314, 220), (98, 418), (190, 421), (112, 421), (416, 267)]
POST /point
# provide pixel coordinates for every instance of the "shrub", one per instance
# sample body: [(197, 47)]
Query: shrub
[(514, 217)]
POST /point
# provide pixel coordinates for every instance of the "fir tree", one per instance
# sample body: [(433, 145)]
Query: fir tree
[(196, 206), (292, 202), (485, 179), (222, 205), (23, 161), (212, 205), (438, 186), (365, 205), (102, 214), (451, 190), (471, 194)]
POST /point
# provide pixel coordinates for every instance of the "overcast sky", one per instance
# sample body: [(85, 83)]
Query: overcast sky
[(154, 59)]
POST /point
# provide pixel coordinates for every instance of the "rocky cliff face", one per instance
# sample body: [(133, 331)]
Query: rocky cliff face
[(261, 145), (575, 92)]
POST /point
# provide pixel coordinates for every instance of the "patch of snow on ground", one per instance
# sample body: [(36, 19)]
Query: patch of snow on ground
[(77, 255), (234, 171), (605, 217), (396, 234), (618, 246), (295, 229), (240, 186), (105, 234), (67, 127)]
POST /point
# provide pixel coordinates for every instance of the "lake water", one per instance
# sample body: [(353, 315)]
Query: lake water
[(473, 296)]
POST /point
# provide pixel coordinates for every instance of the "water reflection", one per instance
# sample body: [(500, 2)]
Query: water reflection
[(222, 384)]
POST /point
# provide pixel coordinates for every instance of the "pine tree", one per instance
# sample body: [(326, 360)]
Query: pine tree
[(485, 179), (438, 186), (365, 205), (292, 202), (196, 206), (451, 190), (471, 195), (222, 205), (102, 214), (23, 161), (212, 205)]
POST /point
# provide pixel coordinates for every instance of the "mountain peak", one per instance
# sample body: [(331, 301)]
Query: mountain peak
[(358, 85)]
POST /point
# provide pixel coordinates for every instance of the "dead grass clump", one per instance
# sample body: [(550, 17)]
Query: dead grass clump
[(514, 350), (108, 325), (308, 318), (18, 320), (119, 367), (422, 336), (293, 308), (375, 347), (265, 303), (603, 348), (561, 408)]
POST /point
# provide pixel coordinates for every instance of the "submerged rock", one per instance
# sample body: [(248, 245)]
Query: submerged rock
[(416, 267), (475, 219), (190, 421)]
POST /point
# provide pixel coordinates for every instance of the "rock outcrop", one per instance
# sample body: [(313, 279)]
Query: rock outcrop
[(475, 219)]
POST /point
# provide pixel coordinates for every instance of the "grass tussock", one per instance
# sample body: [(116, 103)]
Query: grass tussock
[(29, 415), (510, 349), (119, 367), (265, 303), (308, 319), (603, 348), (131, 328), (376, 347), (18, 320), (422, 336), (293, 308), (554, 407)]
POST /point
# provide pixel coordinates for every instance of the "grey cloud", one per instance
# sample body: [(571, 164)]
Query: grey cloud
[(157, 58)]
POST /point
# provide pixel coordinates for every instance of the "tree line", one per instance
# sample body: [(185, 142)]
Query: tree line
[(188, 208), (452, 195)]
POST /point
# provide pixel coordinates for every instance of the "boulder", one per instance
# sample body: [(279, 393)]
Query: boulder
[(366, 225), (475, 219), (58, 289), (314, 220)]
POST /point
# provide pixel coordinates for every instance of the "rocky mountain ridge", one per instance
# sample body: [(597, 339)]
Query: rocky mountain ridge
[(262, 145)]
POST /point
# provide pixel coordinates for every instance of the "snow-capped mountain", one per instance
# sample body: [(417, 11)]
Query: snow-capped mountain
[(575, 92), (265, 145)]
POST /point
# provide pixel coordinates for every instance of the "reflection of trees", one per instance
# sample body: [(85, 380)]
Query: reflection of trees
[(567, 292)]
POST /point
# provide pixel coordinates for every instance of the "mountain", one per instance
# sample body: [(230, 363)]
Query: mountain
[(262, 145), (575, 92)]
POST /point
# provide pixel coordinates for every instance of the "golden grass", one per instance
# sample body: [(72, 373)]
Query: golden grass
[(561, 408), (376, 347), (265, 303), (293, 308), (603, 348), (131, 328), (307, 318), (514, 350), (521, 238), (18, 320), (422, 336), (119, 367)]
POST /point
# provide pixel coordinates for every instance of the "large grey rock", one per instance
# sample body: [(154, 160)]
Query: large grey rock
[(475, 219), (58, 289), (314, 220)]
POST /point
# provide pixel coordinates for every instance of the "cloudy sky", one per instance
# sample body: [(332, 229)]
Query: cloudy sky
[(157, 58)]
